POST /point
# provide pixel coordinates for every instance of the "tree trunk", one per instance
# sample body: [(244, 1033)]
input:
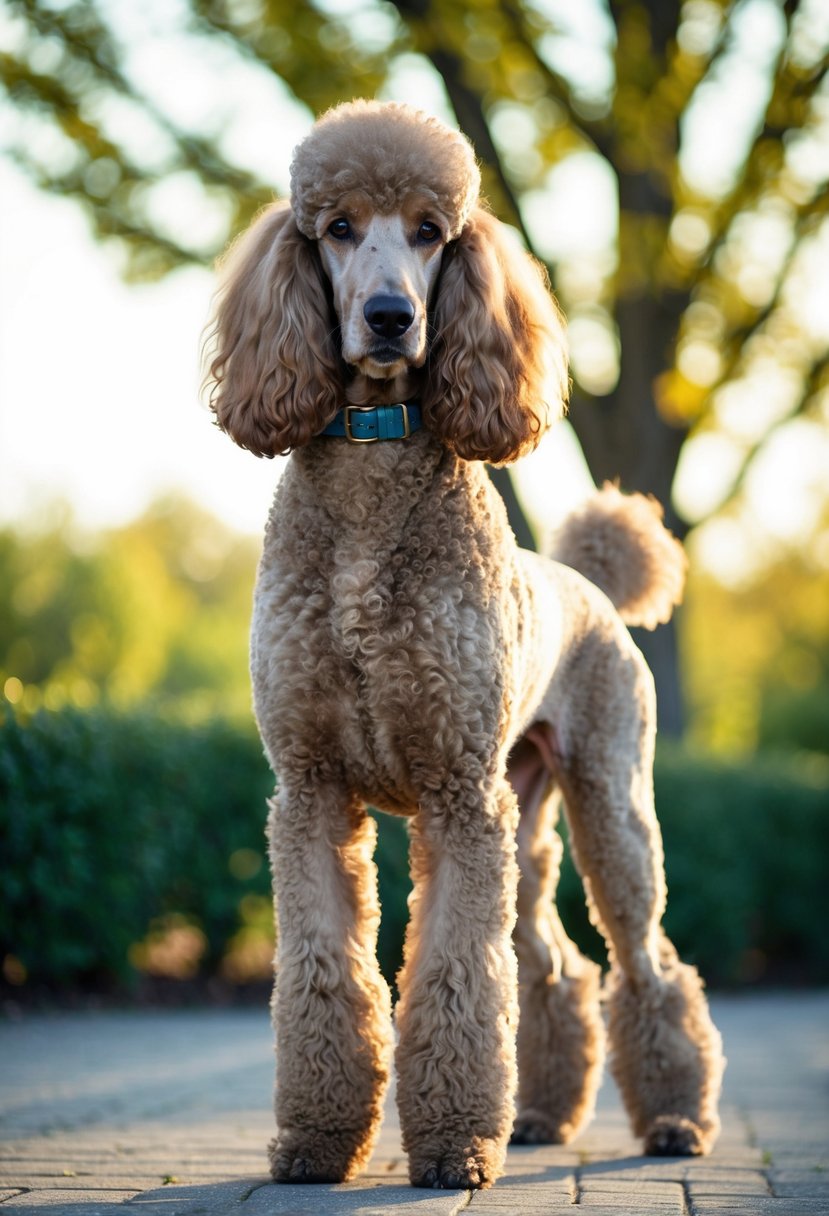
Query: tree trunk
[(624, 437), (519, 523), (661, 650)]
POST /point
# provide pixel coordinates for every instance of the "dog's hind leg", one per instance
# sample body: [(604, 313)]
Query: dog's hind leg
[(458, 1009), (666, 1054), (331, 1006), (560, 1028)]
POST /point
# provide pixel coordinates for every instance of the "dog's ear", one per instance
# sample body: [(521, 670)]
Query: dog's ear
[(274, 371), (497, 366)]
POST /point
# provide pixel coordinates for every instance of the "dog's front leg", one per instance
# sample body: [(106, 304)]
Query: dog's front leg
[(458, 1008), (331, 1006)]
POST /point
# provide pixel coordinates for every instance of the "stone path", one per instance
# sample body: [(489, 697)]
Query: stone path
[(168, 1114)]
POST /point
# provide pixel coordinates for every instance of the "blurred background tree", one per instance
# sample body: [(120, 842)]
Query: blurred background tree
[(690, 295)]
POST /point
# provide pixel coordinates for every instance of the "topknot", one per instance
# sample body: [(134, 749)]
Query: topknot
[(388, 150)]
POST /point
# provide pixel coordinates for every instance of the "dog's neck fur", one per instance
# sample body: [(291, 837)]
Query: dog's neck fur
[(373, 487), (363, 390)]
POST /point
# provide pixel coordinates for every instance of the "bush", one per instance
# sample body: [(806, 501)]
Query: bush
[(133, 837), (795, 719), (113, 822)]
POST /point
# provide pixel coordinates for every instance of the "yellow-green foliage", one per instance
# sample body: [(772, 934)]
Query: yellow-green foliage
[(159, 606), (756, 660)]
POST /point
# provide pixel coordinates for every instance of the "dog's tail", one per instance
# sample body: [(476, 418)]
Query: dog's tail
[(619, 542)]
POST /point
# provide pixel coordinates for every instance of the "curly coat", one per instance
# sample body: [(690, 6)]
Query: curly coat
[(406, 654)]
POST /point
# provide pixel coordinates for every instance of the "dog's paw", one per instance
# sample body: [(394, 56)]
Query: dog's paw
[(316, 1156), (674, 1136), (470, 1168), (533, 1127)]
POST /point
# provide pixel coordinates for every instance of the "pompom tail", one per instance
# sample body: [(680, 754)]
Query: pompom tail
[(618, 542)]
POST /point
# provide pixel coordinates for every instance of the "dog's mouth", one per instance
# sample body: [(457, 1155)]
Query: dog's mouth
[(385, 361), (385, 354)]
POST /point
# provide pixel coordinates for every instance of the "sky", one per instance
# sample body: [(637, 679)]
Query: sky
[(99, 381)]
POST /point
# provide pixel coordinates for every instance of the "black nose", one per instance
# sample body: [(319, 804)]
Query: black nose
[(389, 316)]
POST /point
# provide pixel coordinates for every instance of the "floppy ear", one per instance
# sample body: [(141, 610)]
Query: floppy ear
[(498, 366), (274, 367)]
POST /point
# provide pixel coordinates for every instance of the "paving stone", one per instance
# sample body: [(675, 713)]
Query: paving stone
[(549, 1190), (601, 1208), (799, 1183), (815, 1160), (734, 1145), (607, 1206), (667, 1193), (370, 1196), (727, 1186), (144, 1173), (756, 1205), (123, 1100), (502, 1200), (704, 1170), (59, 1182), (97, 1202), (639, 1170), (216, 1197)]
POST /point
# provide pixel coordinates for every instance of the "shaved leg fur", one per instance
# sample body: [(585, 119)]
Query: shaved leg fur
[(666, 1054)]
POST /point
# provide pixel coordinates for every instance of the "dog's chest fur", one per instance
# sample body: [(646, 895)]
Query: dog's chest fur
[(379, 619)]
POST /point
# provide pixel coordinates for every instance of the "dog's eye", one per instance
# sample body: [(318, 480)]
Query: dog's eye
[(428, 232), (340, 230)]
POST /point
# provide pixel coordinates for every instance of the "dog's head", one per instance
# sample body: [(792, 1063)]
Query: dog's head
[(382, 189), (385, 277)]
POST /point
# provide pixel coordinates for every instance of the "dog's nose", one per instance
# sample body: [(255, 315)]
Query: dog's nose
[(389, 316)]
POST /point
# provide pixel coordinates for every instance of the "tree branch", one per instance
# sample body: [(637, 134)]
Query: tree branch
[(791, 92), (95, 50), (469, 110)]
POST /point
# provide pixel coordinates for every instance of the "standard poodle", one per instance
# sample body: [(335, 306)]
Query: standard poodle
[(390, 333)]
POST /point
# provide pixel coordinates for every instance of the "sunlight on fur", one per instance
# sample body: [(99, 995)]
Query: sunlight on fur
[(406, 654)]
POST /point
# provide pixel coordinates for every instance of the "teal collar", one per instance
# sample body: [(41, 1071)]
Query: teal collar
[(370, 423)]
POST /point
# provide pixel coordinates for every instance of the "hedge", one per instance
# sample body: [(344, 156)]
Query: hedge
[(746, 849), (114, 824)]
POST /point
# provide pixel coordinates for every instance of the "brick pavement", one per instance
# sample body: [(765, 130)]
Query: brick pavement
[(161, 1114)]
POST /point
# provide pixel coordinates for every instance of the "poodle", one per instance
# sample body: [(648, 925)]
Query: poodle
[(387, 331)]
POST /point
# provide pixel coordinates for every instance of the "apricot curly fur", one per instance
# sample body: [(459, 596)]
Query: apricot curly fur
[(379, 149), (407, 655), (618, 542)]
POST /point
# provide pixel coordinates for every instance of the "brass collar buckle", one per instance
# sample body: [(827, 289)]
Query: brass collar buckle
[(348, 410)]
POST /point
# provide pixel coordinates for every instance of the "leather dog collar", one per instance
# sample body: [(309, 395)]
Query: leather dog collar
[(371, 423)]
